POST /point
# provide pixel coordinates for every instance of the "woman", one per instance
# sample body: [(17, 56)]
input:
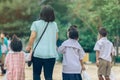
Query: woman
[(45, 53)]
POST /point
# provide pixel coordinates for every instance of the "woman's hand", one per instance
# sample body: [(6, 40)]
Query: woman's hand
[(28, 48)]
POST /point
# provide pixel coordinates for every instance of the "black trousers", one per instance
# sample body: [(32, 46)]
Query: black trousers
[(73, 76), (46, 64)]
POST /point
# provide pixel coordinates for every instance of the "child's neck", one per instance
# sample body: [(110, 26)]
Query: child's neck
[(102, 37), (74, 39)]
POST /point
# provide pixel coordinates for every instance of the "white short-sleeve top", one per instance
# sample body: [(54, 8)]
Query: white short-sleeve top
[(47, 45), (105, 47)]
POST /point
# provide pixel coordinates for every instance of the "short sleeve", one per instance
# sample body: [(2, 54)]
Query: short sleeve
[(56, 27), (97, 47), (81, 53), (61, 49), (33, 27), (6, 41), (4, 48)]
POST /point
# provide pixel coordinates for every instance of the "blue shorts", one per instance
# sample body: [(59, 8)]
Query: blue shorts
[(67, 76)]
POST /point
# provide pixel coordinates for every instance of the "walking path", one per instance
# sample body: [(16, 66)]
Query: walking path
[(91, 70)]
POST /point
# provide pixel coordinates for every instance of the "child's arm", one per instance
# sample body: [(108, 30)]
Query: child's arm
[(61, 49), (6, 61), (81, 56), (82, 64), (97, 49), (113, 52), (27, 56), (97, 58)]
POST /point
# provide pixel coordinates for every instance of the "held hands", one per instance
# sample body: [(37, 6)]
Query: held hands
[(29, 56), (28, 48)]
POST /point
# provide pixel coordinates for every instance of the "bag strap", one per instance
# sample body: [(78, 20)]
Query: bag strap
[(40, 38)]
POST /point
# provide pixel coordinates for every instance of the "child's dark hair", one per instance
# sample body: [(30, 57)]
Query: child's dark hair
[(16, 44), (102, 32), (73, 32), (72, 27)]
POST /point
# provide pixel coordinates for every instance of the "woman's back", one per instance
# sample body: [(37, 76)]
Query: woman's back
[(47, 44)]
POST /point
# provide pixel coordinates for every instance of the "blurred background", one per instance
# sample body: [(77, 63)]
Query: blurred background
[(16, 17)]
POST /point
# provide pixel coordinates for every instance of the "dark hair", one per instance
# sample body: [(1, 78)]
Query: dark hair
[(47, 13), (16, 44), (73, 33), (72, 27), (102, 32)]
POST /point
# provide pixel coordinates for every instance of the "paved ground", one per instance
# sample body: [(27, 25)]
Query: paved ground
[(91, 70)]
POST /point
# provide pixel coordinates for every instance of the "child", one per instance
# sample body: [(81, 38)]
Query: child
[(3, 51), (0, 55), (5, 40), (104, 52), (15, 61), (72, 56)]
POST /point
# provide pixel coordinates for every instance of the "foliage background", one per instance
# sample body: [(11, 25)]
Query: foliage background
[(16, 17)]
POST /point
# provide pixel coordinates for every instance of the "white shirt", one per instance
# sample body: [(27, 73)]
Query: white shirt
[(3, 48), (72, 54), (105, 47)]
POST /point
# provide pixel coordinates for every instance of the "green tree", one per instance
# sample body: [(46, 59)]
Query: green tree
[(109, 12), (82, 15), (16, 15), (92, 14)]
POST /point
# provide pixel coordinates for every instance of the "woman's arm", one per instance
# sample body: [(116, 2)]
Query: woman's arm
[(31, 40), (56, 36)]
